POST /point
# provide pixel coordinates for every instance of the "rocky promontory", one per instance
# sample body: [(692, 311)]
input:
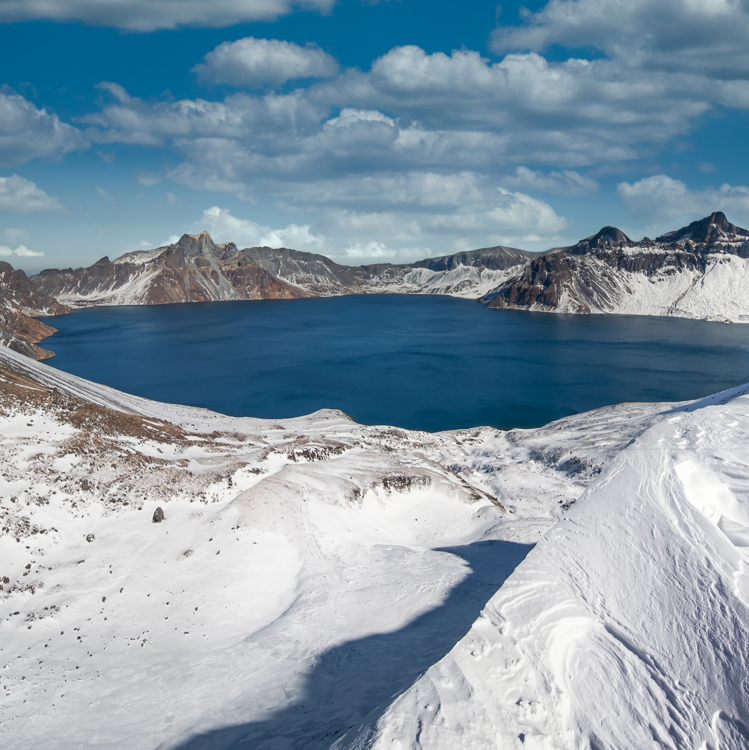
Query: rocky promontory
[(21, 303)]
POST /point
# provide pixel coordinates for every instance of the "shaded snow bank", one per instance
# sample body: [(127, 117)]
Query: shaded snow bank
[(627, 625)]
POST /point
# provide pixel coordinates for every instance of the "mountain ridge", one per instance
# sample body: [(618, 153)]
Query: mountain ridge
[(195, 269), (698, 271)]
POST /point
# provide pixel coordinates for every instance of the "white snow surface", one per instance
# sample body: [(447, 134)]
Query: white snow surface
[(309, 571), (627, 626)]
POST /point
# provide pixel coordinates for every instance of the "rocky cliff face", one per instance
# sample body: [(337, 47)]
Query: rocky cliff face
[(699, 271), (21, 303), (195, 269), (467, 274)]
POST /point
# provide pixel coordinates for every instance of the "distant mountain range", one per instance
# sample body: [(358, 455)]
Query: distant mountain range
[(195, 269), (699, 271)]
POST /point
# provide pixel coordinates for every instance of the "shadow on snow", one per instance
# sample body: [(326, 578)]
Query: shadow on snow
[(360, 678)]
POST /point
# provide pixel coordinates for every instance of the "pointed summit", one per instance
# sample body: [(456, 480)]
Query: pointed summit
[(709, 229)]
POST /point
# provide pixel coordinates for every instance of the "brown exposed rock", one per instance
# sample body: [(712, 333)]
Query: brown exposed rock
[(21, 302)]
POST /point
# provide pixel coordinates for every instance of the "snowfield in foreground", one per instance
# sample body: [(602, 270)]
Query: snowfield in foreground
[(318, 583)]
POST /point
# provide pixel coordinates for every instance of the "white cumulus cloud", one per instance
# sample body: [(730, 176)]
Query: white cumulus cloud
[(22, 251), (151, 15), (698, 36), (18, 195), (225, 227), (256, 62), (30, 133), (521, 216), (660, 198), (369, 250)]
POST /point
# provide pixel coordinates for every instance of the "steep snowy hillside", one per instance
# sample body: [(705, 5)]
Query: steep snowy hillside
[(626, 627), (699, 271), (306, 571), (21, 303)]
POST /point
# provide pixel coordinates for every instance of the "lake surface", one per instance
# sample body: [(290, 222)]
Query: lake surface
[(421, 362)]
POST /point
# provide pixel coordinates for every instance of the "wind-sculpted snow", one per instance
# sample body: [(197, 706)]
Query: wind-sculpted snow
[(627, 625), (307, 569)]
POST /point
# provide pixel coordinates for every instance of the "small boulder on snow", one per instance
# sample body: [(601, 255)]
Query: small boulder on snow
[(158, 515)]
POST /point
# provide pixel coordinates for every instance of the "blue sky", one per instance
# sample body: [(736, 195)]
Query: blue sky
[(367, 131)]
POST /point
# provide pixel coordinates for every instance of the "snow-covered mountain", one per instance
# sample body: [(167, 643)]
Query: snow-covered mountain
[(21, 303), (699, 271), (195, 269), (318, 583)]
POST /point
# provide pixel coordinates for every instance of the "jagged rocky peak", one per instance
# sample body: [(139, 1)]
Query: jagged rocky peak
[(192, 245), (711, 228)]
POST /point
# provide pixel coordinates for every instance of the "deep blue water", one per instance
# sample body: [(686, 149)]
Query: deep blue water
[(422, 362)]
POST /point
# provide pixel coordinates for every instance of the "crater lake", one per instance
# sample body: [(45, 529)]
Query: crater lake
[(423, 362)]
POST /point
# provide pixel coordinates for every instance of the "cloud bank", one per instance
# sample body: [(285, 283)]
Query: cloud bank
[(153, 15), (660, 198), (29, 133)]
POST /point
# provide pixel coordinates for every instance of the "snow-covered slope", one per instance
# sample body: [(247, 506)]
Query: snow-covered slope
[(700, 271), (307, 570), (628, 624)]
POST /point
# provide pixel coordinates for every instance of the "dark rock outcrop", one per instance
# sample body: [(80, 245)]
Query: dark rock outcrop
[(21, 303)]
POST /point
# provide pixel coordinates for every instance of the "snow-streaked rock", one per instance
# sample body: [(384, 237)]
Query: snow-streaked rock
[(699, 271), (194, 269), (307, 569)]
